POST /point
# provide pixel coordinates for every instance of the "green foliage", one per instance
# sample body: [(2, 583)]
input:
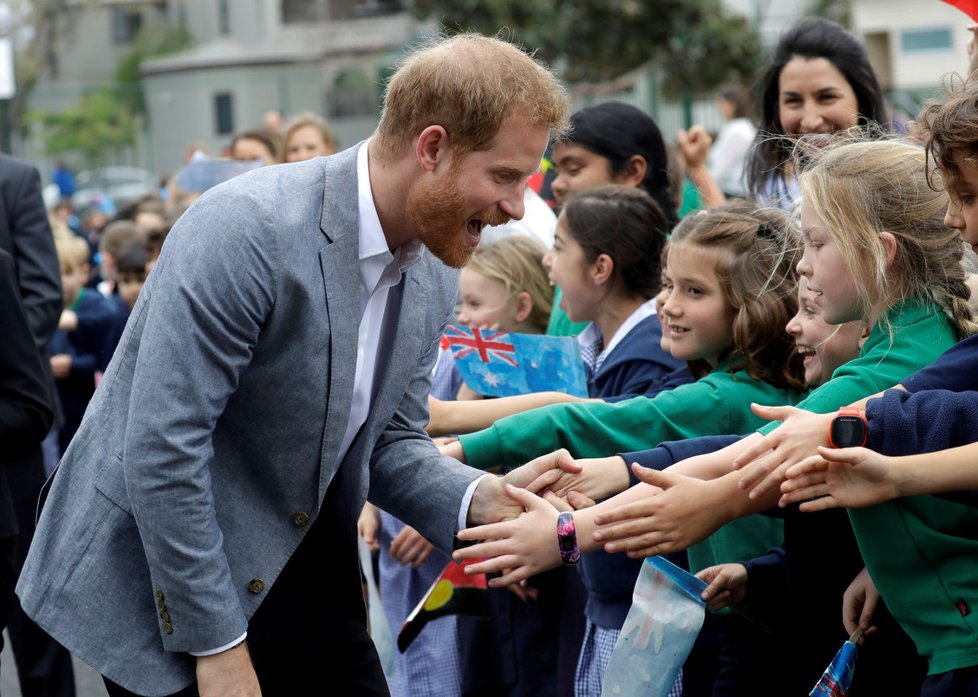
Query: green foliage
[(698, 43), (839, 11), (97, 124), (105, 118)]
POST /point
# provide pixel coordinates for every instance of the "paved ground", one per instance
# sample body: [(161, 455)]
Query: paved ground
[(87, 681)]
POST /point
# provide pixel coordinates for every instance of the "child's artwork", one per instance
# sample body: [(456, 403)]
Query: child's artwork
[(662, 624), (498, 364)]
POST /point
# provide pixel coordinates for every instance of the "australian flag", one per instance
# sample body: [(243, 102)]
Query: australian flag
[(499, 364)]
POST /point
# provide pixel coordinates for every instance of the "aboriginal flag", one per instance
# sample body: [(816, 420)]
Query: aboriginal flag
[(453, 593)]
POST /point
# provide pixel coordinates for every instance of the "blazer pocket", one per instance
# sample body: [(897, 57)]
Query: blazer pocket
[(111, 482)]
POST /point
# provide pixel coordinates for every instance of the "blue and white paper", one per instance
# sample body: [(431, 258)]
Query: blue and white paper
[(662, 624), (499, 364)]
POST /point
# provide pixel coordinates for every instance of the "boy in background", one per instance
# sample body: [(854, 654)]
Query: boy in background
[(79, 349)]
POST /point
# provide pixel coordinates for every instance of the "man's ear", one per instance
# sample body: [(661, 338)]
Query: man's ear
[(889, 246), (433, 147), (524, 306)]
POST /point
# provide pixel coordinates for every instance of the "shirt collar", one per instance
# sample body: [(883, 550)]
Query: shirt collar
[(374, 251)]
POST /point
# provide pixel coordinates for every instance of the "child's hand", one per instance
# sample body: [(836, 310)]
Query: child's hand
[(61, 365), (844, 477), (437, 415), (694, 146), (368, 524), (409, 547), (68, 322), (678, 516), (541, 470), (859, 603), (728, 585), (798, 436), (517, 548), (599, 478)]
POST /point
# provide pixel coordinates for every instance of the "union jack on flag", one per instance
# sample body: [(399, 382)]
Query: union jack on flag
[(488, 344), (498, 364)]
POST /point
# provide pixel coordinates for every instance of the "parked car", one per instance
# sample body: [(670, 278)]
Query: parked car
[(120, 184)]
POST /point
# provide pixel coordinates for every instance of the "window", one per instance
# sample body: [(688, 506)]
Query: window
[(918, 40), (224, 122), (125, 25)]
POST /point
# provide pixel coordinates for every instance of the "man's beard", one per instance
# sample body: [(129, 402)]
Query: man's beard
[(437, 212)]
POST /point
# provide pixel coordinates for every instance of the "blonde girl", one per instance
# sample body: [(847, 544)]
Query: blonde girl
[(308, 136)]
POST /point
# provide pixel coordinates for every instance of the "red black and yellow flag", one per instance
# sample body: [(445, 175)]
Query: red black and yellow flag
[(453, 593)]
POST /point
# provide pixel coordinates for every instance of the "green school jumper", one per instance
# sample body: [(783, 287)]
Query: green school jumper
[(716, 404), (922, 551)]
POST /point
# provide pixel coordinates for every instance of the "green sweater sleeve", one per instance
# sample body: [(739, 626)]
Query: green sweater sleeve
[(716, 404), (920, 334)]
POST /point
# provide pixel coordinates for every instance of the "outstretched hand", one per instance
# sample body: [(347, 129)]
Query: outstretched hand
[(594, 478), (517, 548), (671, 520), (409, 547), (841, 478), (764, 464)]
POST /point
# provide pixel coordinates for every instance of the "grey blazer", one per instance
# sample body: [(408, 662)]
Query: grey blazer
[(208, 448)]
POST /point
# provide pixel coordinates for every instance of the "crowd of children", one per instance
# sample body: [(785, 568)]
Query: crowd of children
[(884, 233)]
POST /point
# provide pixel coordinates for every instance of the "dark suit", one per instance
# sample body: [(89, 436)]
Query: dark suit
[(25, 415), (43, 666)]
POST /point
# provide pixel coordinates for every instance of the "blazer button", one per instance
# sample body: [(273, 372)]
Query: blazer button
[(161, 605), (300, 518), (168, 628), (165, 616), (256, 585), (159, 595)]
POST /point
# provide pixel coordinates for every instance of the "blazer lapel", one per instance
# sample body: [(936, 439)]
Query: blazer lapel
[(339, 260)]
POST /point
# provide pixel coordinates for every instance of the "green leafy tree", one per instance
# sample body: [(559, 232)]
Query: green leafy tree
[(106, 117), (698, 42)]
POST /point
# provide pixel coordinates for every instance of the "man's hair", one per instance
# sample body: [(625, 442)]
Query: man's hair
[(467, 84)]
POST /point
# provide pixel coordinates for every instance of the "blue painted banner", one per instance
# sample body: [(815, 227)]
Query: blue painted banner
[(499, 364)]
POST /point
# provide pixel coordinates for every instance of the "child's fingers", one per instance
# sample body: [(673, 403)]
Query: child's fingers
[(545, 481), (557, 502), (822, 503), (513, 575), (492, 531), (579, 500), (481, 549)]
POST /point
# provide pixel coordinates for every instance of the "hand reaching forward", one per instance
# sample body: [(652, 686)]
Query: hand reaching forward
[(595, 478), (841, 478), (670, 521), (517, 548), (764, 464)]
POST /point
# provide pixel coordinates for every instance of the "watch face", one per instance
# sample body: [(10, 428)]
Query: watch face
[(848, 432)]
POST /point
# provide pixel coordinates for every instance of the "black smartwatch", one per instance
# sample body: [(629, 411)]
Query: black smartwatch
[(849, 429)]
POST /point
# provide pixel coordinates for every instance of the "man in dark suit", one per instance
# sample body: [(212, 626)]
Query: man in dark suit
[(25, 415), (43, 666)]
